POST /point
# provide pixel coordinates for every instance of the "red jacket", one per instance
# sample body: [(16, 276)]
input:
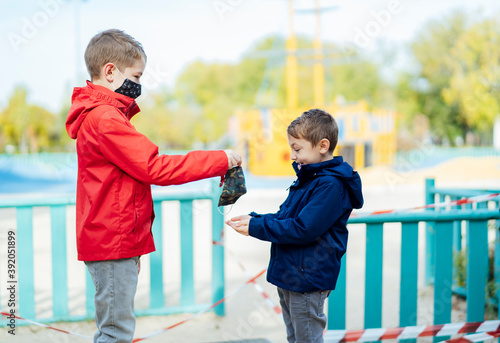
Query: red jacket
[(116, 167)]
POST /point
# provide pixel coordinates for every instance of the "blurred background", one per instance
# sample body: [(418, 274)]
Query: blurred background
[(398, 75), (413, 84)]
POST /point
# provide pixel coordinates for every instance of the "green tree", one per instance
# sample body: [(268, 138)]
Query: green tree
[(475, 84), (347, 73), (217, 90), (165, 124), (457, 85), (28, 127), (432, 50), (212, 92), (357, 80), (212, 88)]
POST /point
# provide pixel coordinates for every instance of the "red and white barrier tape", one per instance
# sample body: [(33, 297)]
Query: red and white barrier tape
[(479, 337), (259, 289), (221, 242), (367, 335), (49, 327), (251, 280), (471, 200)]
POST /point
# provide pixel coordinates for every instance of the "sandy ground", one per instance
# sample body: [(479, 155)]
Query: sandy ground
[(248, 316)]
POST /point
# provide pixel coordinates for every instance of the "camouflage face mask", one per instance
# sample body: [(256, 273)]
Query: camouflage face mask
[(234, 186)]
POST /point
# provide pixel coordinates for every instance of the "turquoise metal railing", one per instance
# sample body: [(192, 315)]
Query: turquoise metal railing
[(434, 195), (444, 241), (60, 305), (443, 223)]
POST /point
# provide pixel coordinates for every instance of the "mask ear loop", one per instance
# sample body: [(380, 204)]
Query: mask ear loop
[(113, 82), (218, 209)]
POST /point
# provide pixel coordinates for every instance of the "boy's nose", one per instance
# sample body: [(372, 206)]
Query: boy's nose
[(292, 156)]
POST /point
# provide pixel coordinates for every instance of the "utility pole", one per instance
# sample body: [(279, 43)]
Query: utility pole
[(318, 66), (78, 52), (77, 42), (318, 69), (292, 91)]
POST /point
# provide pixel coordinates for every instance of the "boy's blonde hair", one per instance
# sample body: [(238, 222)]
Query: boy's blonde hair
[(113, 46), (313, 126)]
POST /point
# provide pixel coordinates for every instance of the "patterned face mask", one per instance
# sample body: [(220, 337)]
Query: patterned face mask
[(234, 186), (128, 88)]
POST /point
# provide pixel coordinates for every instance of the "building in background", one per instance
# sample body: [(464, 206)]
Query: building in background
[(366, 137)]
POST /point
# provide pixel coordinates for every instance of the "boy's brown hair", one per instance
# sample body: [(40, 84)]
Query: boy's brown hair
[(113, 46), (313, 126)]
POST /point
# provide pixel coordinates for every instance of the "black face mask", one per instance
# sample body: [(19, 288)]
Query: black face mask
[(234, 186), (129, 88)]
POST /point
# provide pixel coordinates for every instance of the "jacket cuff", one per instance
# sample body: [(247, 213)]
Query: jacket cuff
[(255, 227), (223, 163)]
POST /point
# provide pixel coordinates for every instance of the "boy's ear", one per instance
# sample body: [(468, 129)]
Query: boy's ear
[(324, 145), (107, 72)]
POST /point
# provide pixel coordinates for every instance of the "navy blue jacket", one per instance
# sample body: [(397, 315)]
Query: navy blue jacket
[(308, 233)]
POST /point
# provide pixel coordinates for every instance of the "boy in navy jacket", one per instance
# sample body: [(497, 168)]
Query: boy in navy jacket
[(308, 233)]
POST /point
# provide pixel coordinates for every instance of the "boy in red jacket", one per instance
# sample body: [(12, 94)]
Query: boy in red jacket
[(116, 168)]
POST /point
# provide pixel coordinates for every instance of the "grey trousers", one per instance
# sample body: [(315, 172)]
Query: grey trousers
[(304, 315), (115, 282)]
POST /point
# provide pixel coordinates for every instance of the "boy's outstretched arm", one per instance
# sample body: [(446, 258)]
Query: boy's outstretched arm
[(321, 212), (240, 224), (137, 156)]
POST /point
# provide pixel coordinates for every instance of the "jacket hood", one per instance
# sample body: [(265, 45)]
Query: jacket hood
[(86, 98), (338, 168)]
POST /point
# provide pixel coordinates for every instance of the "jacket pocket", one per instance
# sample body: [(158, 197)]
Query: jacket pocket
[(301, 262), (135, 202)]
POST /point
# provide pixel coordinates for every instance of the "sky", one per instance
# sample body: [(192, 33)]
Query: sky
[(42, 41)]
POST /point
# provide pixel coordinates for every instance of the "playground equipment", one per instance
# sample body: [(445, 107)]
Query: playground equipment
[(366, 137)]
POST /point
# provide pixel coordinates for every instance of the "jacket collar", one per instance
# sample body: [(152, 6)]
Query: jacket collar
[(125, 104), (309, 171)]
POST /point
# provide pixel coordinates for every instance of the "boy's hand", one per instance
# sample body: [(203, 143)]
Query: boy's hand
[(240, 224), (233, 159)]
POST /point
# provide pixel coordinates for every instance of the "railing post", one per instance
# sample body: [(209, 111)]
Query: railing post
[(429, 233), (373, 275), (457, 236), (497, 264), (457, 241), (26, 282), (477, 269), (187, 253), (409, 276), (467, 228), (60, 307), (156, 296), (218, 283), (89, 294), (337, 301), (443, 274)]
